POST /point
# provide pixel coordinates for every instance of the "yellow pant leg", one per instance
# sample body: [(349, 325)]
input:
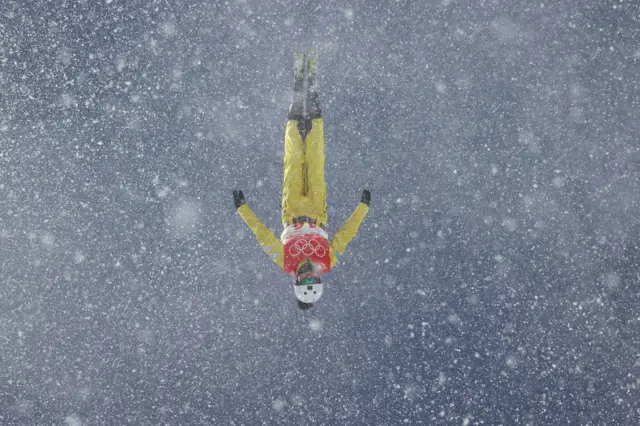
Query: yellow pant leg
[(293, 183), (317, 188)]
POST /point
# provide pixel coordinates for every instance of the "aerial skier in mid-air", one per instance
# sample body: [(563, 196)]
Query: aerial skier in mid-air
[(303, 249)]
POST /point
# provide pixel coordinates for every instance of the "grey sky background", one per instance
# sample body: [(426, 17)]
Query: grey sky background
[(495, 279)]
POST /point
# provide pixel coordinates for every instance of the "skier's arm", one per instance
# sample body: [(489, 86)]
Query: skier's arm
[(344, 236), (269, 243)]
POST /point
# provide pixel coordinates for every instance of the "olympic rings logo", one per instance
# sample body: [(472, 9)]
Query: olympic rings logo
[(307, 248)]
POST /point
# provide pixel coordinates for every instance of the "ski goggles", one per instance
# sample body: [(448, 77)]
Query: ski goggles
[(309, 281)]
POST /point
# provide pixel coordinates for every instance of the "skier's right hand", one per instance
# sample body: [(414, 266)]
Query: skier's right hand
[(366, 197), (238, 198)]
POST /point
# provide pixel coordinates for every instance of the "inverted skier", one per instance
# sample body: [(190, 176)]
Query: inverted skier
[(304, 250)]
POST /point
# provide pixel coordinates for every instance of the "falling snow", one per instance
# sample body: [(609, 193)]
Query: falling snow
[(494, 281)]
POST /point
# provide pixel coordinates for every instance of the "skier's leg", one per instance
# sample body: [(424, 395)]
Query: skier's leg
[(313, 110), (315, 166), (293, 184), (317, 188)]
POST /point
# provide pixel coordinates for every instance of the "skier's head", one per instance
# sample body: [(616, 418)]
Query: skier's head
[(308, 286)]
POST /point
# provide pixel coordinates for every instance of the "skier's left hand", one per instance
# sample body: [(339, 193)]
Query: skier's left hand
[(238, 198), (366, 197)]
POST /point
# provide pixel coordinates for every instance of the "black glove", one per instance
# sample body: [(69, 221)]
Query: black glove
[(238, 198), (366, 197)]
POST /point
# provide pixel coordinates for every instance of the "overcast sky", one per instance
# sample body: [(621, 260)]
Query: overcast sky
[(495, 280)]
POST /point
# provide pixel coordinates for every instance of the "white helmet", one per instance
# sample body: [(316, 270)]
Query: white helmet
[(308, 286), (308, 293)]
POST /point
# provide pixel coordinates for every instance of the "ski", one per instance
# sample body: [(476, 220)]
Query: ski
[(312, 70), (298, 72), (305, 106), (312, 106), (296, 111)]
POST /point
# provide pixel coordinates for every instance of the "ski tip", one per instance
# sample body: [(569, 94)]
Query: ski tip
[(298, 51)]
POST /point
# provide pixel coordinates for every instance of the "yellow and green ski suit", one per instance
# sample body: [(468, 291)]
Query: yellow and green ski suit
[(304, 195)]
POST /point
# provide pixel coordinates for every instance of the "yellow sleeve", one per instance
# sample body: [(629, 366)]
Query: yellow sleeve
[(344, 236), (269, 243)]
